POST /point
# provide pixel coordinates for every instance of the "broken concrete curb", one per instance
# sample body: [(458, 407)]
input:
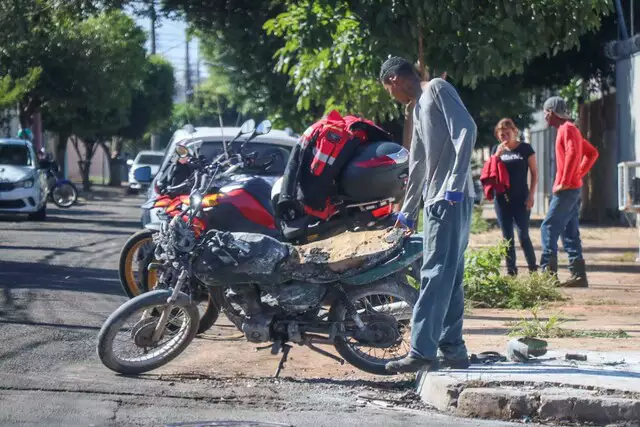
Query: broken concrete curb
[(516, 402)]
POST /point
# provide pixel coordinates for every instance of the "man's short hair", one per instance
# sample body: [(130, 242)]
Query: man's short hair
[(396, 66)]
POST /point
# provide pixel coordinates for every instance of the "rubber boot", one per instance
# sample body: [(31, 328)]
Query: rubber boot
[(578, 277)]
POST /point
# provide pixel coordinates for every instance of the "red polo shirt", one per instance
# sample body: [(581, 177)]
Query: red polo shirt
[(574, 157)]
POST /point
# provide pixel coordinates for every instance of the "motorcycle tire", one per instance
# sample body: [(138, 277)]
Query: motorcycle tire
[(132, 287), (114, 323), (212, 310), (391, 286), (69, 187)]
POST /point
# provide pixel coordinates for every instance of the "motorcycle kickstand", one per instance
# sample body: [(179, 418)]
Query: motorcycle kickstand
[(285, 354)]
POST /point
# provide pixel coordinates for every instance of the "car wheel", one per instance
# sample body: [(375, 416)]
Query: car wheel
[(40, 214)]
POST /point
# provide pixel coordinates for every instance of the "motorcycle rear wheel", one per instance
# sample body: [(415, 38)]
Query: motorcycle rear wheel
[(386, 291), (180, 331), (132, 285)]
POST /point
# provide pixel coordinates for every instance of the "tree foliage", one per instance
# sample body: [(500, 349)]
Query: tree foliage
[(336, 47), (235, 45), (152, 99), (35, 34)]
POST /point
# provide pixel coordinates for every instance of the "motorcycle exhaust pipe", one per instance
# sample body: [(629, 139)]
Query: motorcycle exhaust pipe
[(399, 310)]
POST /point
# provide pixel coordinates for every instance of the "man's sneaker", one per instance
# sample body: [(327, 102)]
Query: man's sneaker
[(411, 364)]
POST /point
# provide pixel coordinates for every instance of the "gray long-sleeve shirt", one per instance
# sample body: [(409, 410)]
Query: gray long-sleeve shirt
[(444, 135)]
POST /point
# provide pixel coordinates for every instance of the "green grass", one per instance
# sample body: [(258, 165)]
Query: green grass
[(486, 287)]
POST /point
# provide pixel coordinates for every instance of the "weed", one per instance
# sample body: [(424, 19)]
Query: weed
[(486, 287), (535, 327)]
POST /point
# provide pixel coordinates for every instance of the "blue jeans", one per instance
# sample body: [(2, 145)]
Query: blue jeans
[(562, 221), (510, 213), (439, 311)]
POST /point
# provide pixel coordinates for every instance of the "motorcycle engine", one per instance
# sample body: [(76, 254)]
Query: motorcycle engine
[(296, 297)]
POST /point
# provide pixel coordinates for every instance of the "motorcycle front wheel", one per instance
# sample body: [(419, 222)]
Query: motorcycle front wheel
[(386, 308), (64, 195), (125, 343)]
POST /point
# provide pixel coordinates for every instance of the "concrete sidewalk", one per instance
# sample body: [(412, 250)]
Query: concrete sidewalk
[(604, 389)]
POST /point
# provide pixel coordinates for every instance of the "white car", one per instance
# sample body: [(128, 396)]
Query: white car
[(278, 142), (153, 159), (23, 184)]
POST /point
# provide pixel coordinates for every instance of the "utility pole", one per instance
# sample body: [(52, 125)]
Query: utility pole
[(153, 16), (187, 70)]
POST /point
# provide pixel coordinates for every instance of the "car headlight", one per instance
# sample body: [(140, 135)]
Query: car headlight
[(27, 183)]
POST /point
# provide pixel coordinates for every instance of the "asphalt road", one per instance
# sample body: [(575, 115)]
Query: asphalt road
[(59, 283)]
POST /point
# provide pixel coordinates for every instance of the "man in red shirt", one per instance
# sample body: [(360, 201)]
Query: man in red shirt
[(574, 158)]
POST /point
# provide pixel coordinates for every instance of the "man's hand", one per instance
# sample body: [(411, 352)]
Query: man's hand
[(403, 222), (530, 202)]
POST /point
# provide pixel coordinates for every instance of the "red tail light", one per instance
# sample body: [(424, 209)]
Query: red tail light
[(383, 211)]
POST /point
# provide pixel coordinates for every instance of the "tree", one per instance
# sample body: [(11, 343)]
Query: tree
[(151, 104), (235, 45), (110, 59), (337, 47), (34, 35)]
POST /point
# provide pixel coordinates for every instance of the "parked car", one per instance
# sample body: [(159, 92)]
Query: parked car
[(153, 159), (277, 143), (23, 181)]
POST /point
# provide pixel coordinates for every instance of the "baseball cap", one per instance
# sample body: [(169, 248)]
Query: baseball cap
[(558, 106)]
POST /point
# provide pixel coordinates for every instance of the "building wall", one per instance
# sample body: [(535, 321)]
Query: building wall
[(628, 105)]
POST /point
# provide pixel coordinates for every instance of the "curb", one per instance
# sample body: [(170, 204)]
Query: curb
[(520, 401)]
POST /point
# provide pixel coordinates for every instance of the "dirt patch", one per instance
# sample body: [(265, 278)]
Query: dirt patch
[(346, 246), (611, 303), (348, 250)]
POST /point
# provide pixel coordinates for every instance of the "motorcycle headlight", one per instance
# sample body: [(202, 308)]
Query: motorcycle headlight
[(27, 183)]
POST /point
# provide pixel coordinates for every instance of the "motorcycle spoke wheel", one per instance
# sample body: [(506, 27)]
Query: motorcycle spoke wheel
[(386, 309), (129, 344)]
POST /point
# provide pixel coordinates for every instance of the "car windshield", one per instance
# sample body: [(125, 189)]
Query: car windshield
[(14, 155), (150, 159), (265, 152)]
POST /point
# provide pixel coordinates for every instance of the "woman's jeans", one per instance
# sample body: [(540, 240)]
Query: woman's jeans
[(512, 213)]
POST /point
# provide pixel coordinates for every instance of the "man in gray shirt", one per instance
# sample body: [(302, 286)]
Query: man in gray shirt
[(444, 135)]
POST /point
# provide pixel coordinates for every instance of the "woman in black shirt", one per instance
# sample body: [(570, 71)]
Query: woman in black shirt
[(514, 207)]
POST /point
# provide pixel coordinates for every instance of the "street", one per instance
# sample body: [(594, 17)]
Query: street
[(60, 282)]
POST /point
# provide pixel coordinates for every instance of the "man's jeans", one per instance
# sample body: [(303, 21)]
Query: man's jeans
[(562, 220), (439, 311)]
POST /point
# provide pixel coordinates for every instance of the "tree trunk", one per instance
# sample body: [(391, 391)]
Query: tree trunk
[(84, 162), (60, 150), (599, 195)]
